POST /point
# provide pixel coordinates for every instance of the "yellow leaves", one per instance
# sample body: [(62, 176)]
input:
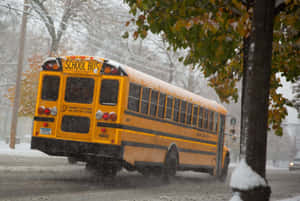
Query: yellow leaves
[(180, 24), (29, 85), (287, 1), (189, 24), (219, 51), (298, 43), (237, 4), (135, 35)]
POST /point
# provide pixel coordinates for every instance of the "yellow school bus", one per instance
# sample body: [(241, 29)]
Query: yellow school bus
[(111, 116)]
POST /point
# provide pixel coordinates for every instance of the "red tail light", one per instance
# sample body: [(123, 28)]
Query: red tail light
[(114, 71), (106, 116), (47, 111), (41, 110), (113, 116), (103, 130)]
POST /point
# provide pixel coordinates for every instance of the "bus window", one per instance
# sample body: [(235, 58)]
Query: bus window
[(211, 120), (75, 124), (176, 109), (182, 113), (195, 115), (145, 100), (205, 119), (222, 124), (169, 107), (79, 90), (153, 102), (216, 122), (109, 92), (200, 122), (189, 113), (161, 107), (134, 97), (50, 88)]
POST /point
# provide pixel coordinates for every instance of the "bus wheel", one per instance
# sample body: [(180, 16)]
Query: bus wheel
[(170, 165), (224, 172), (146, 172)]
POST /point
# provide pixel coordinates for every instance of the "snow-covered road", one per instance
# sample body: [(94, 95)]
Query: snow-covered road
[(28, 175)]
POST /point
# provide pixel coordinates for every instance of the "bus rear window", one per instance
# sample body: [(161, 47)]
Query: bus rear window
[(50, 88), (109, 92), (79, 90)]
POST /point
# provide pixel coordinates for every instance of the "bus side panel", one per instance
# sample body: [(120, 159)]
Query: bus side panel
[(133, 154), (187, 158), (141, 147)]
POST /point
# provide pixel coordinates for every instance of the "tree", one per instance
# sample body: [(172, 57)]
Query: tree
[(213, 32), (72, 10)]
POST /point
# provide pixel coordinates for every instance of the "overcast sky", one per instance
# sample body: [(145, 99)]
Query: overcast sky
[(286, 90)]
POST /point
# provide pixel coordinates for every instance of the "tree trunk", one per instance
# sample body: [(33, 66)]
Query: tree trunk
[(246, 45), (256, 95), (54, 47)]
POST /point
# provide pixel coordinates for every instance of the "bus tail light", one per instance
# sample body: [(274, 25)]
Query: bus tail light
[(47, 111), (103, 130), (106, 116), (110, 70), (51, 64), (41, 110), (113, 116)]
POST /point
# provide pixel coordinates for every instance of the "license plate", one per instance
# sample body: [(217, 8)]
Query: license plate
[(45, 131)]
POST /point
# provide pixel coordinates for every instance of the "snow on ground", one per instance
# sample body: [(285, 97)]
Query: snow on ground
[(292, 199), (22, 149)]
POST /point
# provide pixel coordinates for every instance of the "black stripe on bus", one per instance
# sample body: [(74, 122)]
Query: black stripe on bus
[(188, 166), (181, 166), (197, 152), (166, 121), (43, 119), (138, 144), (144, 164), (110, 125)]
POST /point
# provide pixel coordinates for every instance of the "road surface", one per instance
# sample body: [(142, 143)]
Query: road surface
[(52, 178)]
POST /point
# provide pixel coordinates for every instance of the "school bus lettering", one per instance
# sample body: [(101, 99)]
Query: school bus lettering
[(78, 66), (117, 117)]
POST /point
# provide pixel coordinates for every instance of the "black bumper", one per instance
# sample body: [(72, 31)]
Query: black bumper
[(76, 149)]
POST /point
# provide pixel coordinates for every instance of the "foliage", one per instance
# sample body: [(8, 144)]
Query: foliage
[(213, 33), (29, 85)]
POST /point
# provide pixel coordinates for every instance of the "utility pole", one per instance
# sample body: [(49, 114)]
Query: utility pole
[(14, 120)]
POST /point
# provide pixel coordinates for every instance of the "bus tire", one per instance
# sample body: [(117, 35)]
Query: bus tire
[(170, 165), (224, 171), (146, 172)]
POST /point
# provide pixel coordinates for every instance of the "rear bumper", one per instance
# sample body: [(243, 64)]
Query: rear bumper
[(76, 149)]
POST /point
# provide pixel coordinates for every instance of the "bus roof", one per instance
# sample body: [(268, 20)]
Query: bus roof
[(162, 86)]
